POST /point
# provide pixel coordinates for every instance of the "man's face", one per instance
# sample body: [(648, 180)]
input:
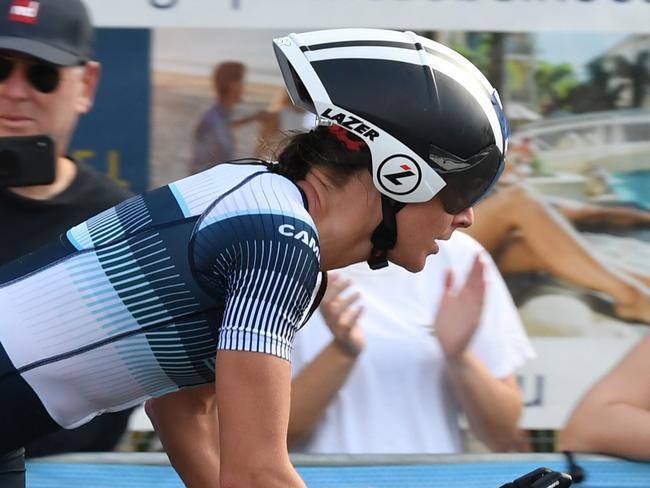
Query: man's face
[(25, 109)]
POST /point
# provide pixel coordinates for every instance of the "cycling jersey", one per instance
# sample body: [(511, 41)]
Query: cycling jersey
[(134, 302)]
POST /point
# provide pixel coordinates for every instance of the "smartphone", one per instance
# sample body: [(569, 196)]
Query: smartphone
[(27, 160)]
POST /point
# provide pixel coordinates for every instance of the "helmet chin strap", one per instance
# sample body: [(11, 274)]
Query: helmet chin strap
[(385, 235)]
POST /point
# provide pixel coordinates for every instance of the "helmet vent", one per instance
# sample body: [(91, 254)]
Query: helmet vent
[(304, 97)]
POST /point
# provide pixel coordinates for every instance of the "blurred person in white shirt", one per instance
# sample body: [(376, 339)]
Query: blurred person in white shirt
[(396, 361)]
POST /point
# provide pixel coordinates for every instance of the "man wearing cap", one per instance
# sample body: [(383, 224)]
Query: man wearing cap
[(47, 80)]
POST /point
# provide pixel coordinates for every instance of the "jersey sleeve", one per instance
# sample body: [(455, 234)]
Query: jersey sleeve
[(264, 265)]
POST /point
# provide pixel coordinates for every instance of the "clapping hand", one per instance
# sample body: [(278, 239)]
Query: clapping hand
[(459, 312), (342, 315)]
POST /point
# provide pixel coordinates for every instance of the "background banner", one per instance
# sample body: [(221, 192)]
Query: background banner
[(467, 15), (577, 186), (554, 381), (114, 136)]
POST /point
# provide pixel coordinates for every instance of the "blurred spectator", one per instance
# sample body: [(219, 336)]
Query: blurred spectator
[(48, 79), (391, 366), (214, 140), (614, 416)]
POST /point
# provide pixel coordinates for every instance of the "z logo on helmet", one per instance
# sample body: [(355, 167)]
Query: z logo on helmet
[(399, 174), (395, 178)]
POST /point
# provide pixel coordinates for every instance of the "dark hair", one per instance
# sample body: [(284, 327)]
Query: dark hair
[(225, 74), (321, 147)]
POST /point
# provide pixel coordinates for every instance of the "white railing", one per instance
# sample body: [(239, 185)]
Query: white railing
[(616, 141)]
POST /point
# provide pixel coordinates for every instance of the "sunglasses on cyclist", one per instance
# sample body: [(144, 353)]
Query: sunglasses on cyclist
[(469, 180), (43, 77), (472, 180)]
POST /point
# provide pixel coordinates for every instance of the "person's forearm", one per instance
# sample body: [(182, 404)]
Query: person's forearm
[(614, 416), (253, 394), (315, 387), (616, 429), (492, 406), (190, 439), (278, 475), (245, 120)]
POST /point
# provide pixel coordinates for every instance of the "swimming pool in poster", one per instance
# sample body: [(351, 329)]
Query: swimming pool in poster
[(633, 187)]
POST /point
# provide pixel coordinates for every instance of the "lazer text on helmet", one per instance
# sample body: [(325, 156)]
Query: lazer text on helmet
[(351, 123)]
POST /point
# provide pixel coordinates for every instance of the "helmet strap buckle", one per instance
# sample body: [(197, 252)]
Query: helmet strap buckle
[(385, 235)]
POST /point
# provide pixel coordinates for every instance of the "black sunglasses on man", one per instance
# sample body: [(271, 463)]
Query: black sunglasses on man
[(42, 76)]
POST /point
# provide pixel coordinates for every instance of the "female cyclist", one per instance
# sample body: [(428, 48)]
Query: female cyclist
[(190, 295)]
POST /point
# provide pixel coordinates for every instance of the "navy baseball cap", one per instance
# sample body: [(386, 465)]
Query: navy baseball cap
[(56, 31)]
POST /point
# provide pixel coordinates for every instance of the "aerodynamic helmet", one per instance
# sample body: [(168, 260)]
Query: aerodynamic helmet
[(433, 123)]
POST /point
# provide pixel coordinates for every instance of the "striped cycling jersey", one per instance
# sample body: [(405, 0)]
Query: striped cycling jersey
[(135, 302)]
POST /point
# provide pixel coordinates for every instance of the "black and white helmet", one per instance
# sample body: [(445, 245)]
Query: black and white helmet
[(433, 123)]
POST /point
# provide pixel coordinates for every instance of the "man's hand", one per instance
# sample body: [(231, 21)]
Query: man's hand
[(459, 313), (342, 316)]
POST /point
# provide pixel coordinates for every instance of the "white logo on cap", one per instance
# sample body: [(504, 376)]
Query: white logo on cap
[(399, 174), (24, 11)]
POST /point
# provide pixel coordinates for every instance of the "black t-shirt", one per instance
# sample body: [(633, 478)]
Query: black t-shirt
[(27, 224)]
